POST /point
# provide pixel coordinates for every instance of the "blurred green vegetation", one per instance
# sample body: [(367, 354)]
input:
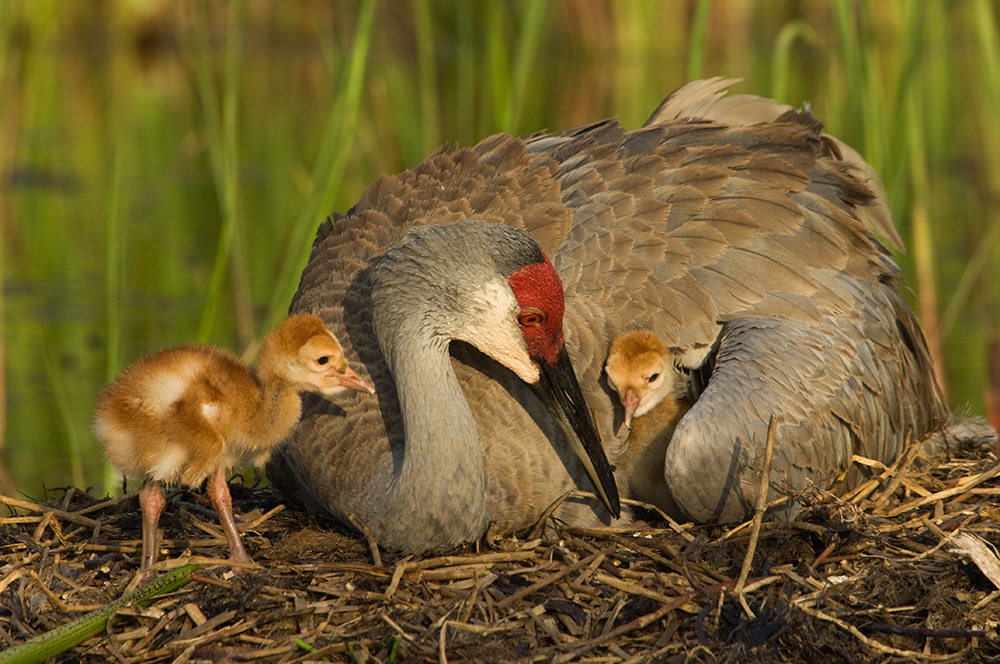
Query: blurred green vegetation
[(164, 165)]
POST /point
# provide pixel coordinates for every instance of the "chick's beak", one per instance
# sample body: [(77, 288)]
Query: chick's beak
[(350, 379), (631, 404)]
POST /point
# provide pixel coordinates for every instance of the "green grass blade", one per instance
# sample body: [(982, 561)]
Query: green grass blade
[(699, 38), (221, 132), (529, 40), (338, 144), (56, 641), (498, 57), (782, 58), (114, 277), (428, 88), (862, 107), (74, 442)]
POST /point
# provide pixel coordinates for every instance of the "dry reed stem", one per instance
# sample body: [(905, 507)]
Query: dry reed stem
[(985, 558), (369, 537), (880, 647), (761, 504), (72, 517), (901, 465), (960, 488)]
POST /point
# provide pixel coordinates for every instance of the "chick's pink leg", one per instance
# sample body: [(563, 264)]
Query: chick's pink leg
[(218, 491), (151, 503)]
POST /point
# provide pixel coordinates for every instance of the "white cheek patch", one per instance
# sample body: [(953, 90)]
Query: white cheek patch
[(495, 331)]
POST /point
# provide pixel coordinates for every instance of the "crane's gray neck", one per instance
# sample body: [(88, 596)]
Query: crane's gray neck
[(421, 300), (441, 480)]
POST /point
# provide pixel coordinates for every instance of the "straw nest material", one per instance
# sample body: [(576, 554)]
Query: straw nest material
[(901, 569)]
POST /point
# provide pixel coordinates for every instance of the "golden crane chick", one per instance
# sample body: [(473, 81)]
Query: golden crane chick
[(188, 413), (641, 369)]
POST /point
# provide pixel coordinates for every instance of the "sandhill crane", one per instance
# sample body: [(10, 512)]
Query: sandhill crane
[(654, 396), (191, 412), (732, 227)]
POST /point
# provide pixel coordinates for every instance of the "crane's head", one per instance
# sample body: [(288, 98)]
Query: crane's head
[(640, 369), (302, 352), (538, 292), (491, 286)]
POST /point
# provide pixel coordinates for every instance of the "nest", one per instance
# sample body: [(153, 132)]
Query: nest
[(898, 569)]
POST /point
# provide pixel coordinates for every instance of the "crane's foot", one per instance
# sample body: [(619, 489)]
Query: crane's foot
[(151, 502), (218, 492)]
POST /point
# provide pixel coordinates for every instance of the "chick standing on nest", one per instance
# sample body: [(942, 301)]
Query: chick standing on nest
[(188, 413), (641, 369)]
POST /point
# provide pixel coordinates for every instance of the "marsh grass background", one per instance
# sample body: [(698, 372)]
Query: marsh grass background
[(164, 165)]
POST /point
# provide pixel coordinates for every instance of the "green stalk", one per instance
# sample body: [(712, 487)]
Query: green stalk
[(782, 58), (328, 169), (6, 483), (59, 640), (972, 273), (988, 61), (863, 109), (895, 169), (631, 23), (58, 385), (114, 266), (987, 252), (923, 237), (529, 33), (429, 109), (6, 153), (699, 37), (223, 149), (465, 73), (988, 43), (499, 73), (113, 269)]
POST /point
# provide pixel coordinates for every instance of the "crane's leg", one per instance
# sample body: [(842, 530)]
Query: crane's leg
[(218, 491), (151, 502)]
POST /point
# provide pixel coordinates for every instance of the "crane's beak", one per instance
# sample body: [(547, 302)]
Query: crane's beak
[(351, 380), (559, 391)]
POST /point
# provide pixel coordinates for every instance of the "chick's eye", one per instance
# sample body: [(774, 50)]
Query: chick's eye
[(531, 317), (322, 360), (653, 377)]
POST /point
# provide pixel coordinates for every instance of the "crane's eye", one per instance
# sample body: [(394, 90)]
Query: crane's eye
[(322, 360), (531, 317), (653, 377)]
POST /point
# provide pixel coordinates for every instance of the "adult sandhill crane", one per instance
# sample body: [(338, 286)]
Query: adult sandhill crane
[(189, 413), (654, 397), (732, 227)]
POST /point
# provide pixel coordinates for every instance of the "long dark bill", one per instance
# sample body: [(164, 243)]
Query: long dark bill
[(559, 391)]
